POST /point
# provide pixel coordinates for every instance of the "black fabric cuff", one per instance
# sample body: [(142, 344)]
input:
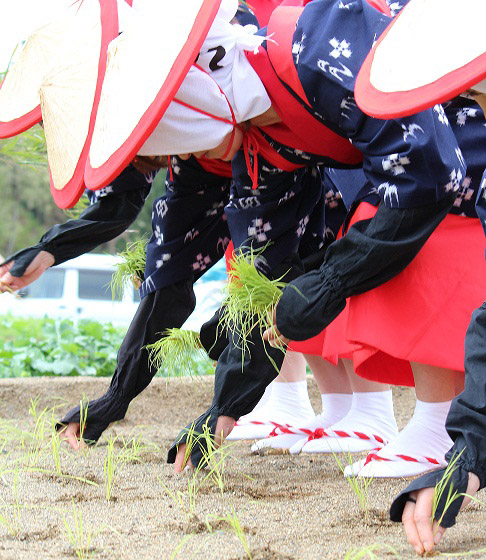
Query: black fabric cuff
[(22, 259), (194, 436), (457, 483), (214, 338), (100, 414), (309, 304)]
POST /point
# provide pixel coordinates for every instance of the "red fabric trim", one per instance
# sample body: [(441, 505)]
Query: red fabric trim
[(74, 188), (100, 176), (281, 29), (299, 129), (381, 6), (386, 105), (16, 126), (216, 166)]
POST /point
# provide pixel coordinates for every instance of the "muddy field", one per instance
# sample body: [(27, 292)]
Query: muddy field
[(268, 507)]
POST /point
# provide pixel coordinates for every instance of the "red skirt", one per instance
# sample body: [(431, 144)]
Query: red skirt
[(422, 314)]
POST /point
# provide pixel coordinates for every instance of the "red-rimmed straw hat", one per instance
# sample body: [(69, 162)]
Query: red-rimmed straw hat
[(69, 95), (433, 51), (144, 72), (19, 91)]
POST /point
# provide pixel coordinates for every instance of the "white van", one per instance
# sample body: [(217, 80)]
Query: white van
[(80, 289)]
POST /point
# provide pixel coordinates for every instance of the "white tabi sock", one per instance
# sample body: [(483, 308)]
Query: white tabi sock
[(424, 438), (370, 420), (334, 407), (289, 404)]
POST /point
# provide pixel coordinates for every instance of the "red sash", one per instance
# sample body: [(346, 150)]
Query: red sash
[(216, 166), (298, 129)]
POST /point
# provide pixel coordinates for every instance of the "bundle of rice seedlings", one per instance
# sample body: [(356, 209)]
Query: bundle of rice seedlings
[(130, 269), (178, 349), (250, 298)]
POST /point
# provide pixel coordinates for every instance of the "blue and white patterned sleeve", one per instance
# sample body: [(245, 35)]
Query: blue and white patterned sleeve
[(409, 162)]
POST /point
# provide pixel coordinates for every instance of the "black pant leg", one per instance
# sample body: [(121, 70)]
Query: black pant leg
[(166, 308)]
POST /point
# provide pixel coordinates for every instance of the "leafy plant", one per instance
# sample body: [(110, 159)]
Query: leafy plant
[(28, 148), (78, 536), (177, 349), (131, 268), (250, 297), (443, 485), (369, 552), (359, 485), (35, 347), (129, 451)]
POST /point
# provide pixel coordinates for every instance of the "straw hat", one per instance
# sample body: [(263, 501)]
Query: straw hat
[(433, 51), (146, 65), (19, 93), (69, 94)]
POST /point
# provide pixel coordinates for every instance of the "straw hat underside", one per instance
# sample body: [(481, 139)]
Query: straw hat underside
[(428, 40), (67, 94), (20, 90)]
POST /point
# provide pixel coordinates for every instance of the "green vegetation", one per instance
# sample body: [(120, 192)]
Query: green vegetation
[(131, 268), (177, 351), (250, 298), (33, 347)]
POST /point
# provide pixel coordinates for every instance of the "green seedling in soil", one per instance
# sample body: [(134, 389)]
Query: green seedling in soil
[(445, 485), (37, 445), (359, 485), (55, 445), (250, 298), (179, 348), (235, 524), (131, 268), (369, 552), (210, 471), (12, 522), (77, 535), (129, 451)]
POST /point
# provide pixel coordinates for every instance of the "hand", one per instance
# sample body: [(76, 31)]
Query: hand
[(150, 164), (273, 336), (72, 434), (36, 268), (421, 534), (224, 425)]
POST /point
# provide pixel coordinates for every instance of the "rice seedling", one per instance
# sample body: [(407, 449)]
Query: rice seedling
[(359, 485), (129, 451), (179, 348), (235, 524), (130, 269), (370, 552), (37, 445), (445, 485), (79, 537), (10, 518), (250, 298), (186, 501)]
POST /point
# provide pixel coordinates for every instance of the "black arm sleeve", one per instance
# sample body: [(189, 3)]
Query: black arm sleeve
[(102, 221), (371, 253), (466, 424)]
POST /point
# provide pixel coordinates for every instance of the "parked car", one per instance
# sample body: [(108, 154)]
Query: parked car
[(80, 289)]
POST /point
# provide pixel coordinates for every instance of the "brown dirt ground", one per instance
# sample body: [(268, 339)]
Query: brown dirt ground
[(289, 507)]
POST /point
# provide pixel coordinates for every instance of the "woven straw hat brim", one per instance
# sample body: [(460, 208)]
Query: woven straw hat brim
[(146, 65), (69, 94), (19, 94), (432, 51)]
